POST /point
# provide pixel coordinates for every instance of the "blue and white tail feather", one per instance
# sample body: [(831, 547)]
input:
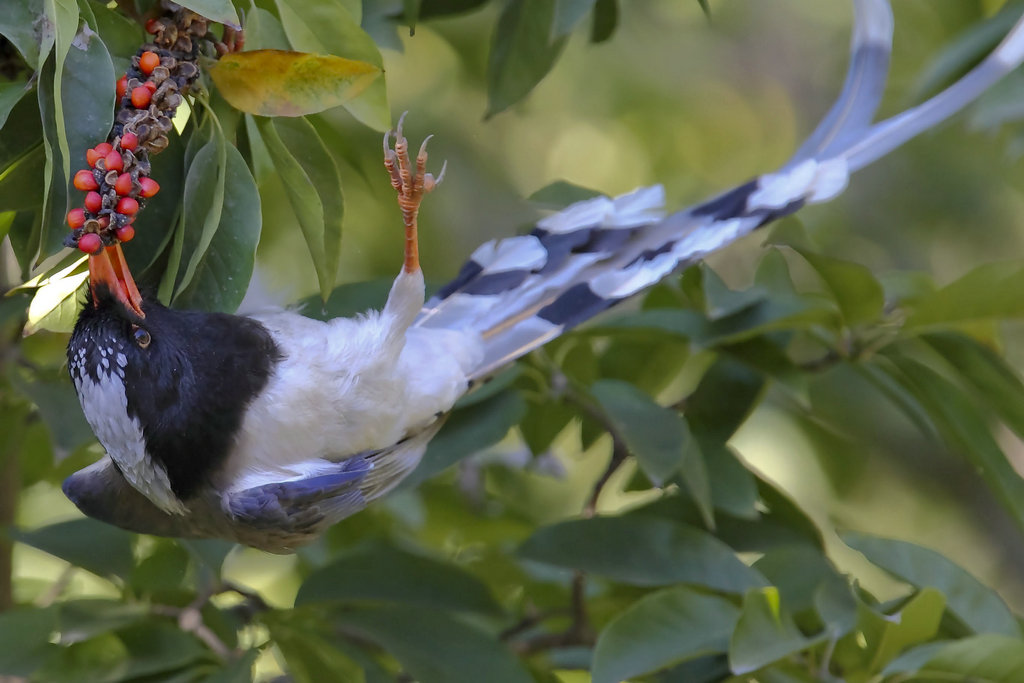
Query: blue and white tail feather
[(521, 292)]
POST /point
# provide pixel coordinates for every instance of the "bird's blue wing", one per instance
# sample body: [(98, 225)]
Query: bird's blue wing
[(302, 505)]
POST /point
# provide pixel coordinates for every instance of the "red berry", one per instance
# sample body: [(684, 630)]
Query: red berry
[(148, 61), (148, 187), (141, 96), (85, 181), (103, 149), (127, 206), (129, 141), (92, 156), (150, 86), (114, 161), (90, 243), (122, 86), (123, 186), (76, 218), (152, 26), (93, 202), (125, 233), (104, 221)]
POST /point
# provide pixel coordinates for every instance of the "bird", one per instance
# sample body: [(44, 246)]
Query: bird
[(266, 429)]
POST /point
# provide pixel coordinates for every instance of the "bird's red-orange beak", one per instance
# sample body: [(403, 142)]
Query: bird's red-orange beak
[(108, 266)]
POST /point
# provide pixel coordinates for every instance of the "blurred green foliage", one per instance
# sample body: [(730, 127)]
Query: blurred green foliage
[(706, 485)]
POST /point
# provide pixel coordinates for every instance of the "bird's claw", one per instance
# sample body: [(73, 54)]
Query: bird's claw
[(411, 183)]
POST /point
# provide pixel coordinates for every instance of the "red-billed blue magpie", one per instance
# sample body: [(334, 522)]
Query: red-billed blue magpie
[(266, 429)]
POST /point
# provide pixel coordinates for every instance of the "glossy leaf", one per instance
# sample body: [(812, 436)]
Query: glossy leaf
[(764, 633), (307, 646), (24, 25), (990, 658), (522, 52), (657, 436), (155, 647), (86, 618), (434, 646), (641, 551), (311, 180), (660, 629), (568, 15), (94, 546), (25, 633), (328, 27), (975, 605), (56, 302), (279, 83), (965, 427), (606, 20), (10, 94), (220, 11), (387, 574), (989, 291), (994, 380), (204, 206), (223, 275), (857, 293), (19, 184)]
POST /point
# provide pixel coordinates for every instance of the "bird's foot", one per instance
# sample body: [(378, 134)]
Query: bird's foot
[(411, 183)]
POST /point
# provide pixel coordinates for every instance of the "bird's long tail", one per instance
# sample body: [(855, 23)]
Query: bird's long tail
[(521, 292)]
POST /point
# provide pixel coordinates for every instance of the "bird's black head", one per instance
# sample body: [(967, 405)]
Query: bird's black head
[(188, 377)]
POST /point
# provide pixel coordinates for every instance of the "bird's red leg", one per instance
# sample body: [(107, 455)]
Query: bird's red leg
[(411, 184)]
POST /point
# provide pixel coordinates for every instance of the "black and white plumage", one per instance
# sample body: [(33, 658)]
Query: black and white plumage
[(269, 428)]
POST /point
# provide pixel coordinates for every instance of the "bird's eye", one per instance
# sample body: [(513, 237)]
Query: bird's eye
[(142, 337)]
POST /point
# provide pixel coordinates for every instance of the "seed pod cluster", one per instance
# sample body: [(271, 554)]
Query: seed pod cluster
[(117, 181)]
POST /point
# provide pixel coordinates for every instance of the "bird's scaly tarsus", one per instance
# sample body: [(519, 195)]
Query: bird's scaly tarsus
[(410, 184)]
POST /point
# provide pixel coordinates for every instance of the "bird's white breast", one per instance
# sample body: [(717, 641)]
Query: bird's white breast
[(105, 405)]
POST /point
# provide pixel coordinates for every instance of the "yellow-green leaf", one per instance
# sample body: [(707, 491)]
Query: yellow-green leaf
[(283, 83)]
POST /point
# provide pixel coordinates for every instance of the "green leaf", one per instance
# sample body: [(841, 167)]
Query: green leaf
[(387, 574), (306, 645), (94, 546), (313, 185), (236, 671), (19, 185), (204, 205), (987, 292), (10, 94), (467, 431), (25, 633), (660, 629), (59, 408), (328, 27), (975, 605), (87, 618), (641, 551), (606, 19), (560, 194), (656, 436), (857, 293), (798, 572), (283, 83), (993, 379), (888, 635), (957, 417), (522, 52), (156, 647), (434, 646), (988, 658), (29, 30), (568, 15), (223, 275), (764, 633), (220, 11)]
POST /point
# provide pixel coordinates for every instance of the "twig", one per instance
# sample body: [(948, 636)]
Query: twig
[(190, 619)]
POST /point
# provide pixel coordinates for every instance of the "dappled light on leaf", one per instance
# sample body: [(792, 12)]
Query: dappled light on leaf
[(281, 83)]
